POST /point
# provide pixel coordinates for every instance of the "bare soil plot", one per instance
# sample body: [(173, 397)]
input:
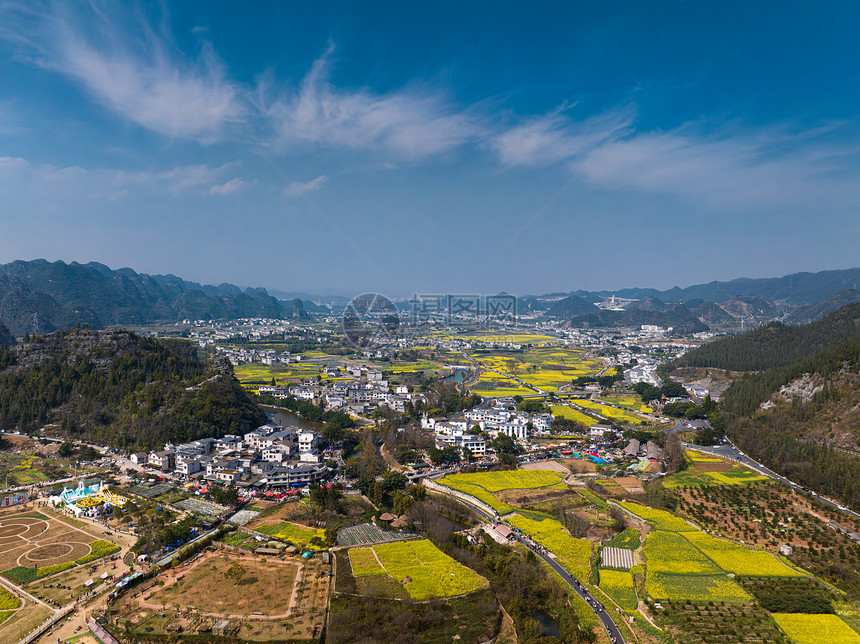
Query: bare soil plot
[(630, 484), (579, 466), (712, 467), (545, 465), (39, 541), (530, 496), (235, 586), (263, 598)]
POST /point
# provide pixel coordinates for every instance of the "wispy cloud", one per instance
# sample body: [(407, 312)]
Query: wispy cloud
[(20, 176), (411, 122), (229, 188), (548, 139), (128, 68), (734, 169), (298, 188), (727, 167)]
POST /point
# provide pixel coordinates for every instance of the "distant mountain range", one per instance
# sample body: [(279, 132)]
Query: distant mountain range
[(40, 296), (719, 306)]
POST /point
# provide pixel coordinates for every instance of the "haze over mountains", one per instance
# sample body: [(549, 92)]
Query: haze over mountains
[(41, 296)]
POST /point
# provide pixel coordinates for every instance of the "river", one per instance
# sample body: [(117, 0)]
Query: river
[(285, 418)]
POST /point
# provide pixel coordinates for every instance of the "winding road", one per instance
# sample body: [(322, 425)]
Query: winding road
[(611, 627)]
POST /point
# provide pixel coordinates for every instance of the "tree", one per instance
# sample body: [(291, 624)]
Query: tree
[(507, 459), (647, 391), (504, 444), (66, 449), (394, 481), (449, 454), (673, 455), (531, 406), (673, 389)]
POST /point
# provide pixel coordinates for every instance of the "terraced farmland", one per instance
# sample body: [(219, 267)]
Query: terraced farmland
[(545, 367), (684, 563), (298, 534), (660, 519), (612, 413)]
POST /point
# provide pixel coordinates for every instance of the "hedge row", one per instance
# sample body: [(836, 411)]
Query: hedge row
[(24, 575)]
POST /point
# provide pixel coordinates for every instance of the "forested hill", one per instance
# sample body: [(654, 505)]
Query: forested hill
[(790, 419), (116, 388), (800, 401), (775, 345), (40, 296), (6, 338)]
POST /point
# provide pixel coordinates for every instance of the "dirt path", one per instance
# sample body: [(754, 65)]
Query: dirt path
[(389, 459)]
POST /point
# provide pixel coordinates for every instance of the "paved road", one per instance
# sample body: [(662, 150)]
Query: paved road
[(729, 450), (610, 626)]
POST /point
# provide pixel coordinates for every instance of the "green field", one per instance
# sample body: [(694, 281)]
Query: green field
[(691, 477), (422, 569), (573, 554), (628, 538), (619, 586), (684, 563), (738, 559), (482, 485), (669, 552), (698, 588), (816, 629)]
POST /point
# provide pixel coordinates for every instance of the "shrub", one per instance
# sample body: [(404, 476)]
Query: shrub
[(98, 549)]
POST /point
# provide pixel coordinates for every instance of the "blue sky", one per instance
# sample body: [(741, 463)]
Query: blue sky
[(466, 147)]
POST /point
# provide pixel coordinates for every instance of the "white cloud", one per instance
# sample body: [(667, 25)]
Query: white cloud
[(19, 176), (555, 137), (734, 170), (298, 188), (729, 169), (411, 122), (232, 186), (128, 68)]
